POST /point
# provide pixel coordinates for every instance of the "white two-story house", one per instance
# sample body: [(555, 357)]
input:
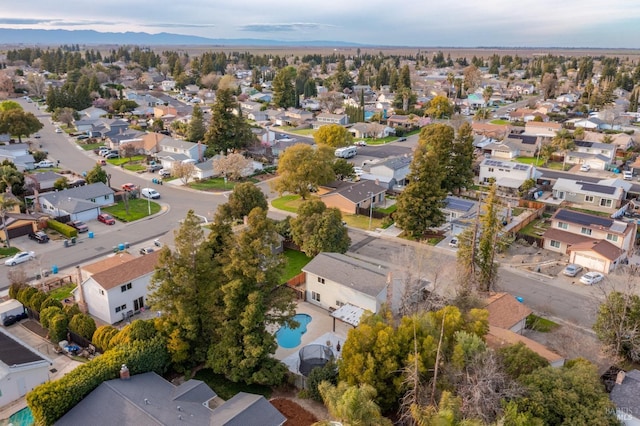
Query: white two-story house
[(507, 174), (81, 203), (174, 150), (588, 195), (119, 291), (595, 154), (594, 242), (391, 172)]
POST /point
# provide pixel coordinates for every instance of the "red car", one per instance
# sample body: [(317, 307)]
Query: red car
[(128, 187), (106, 218)]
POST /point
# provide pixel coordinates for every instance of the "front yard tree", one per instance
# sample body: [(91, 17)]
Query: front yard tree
[(460, 174), (252, 300), (244, 198), (17, 122), (333, 135), (233, 166), (343, 169), (11, 179), (181, 289), (618, 323), (183, 171), (7, 205), (97, 174), (284, 92), (439, 107), (196, 128), (226, 131), (319, 229), (302, 168), (419, 206)]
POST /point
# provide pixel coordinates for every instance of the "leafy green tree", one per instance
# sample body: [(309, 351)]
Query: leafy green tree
[(83, 325), (302, 168), (7, 204), (439, 107), (487, 243), (11, 178), (327, 373), (578, 133), (226, 131), (58, 327), (570, 395), (71, 310), (284, 92), (181, 290), (196, 128), (61, 183), (122, 106), (9, 105), (519, 360), (36, 300), (460, 174), (244, 198), (447, 413), (103, 335), (19, 123), (419, 206), (251, 301), (97, 174), (50, 301), (333, 135), (563, 142), (343, 169), (319, 229), (618, 324), (353, 405)]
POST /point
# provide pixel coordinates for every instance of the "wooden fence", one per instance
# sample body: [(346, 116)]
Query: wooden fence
[(375, 214), (295, 284)]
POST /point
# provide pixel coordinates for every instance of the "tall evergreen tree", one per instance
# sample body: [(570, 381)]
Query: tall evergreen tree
[(226, 131), (487, 242), (284, 92), (196, 128), (461, 160)]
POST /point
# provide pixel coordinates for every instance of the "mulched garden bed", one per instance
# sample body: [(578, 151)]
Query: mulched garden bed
[(295, 414)]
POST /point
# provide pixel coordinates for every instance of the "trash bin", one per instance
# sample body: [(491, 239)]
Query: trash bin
[(121, 247), (54, 269), (73, 240), (90, 234)]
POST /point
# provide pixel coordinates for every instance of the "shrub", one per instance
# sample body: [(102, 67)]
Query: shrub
[(50, 301), (102, 336), (51, 400), (328, 373), (47, 314), (35, 301), (62, 228), (15, 288), (24, 295), (83, 325), (71, 311), (58, 327)]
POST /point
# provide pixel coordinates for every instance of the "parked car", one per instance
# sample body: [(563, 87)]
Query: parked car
[(37, 136), (82, 137), (146, 250), (111, 156), (76, 183), (58, 130), (21, 257), (12, 319), (585, 168), (154, 167), (40, 236), (102, 162), (128, 187), (44, 164), (149, 193), (106, 219), (360, 143), (453, 243), (572, 270), (627, 175), (164, 173), (591, 278), (79, 225), (402, 139)]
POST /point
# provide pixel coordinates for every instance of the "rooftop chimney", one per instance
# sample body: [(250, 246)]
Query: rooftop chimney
[(620, 377), (124, 372)]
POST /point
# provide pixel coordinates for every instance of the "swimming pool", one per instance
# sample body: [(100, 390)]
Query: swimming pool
[(21, 418), (291, 337)]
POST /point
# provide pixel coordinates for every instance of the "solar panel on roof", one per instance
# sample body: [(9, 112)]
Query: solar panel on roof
[(458, 204), (582, 218), (598, 188)]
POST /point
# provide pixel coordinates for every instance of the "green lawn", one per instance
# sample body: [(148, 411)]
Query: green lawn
[(8, 251), (214, 184), (593, 212), (361, 222), (388, 210), (531, 160), (534, 228), (227, 389), (295, 262), (90, 146), (288, 203), (540, 324), (138, 209), (499, 122), (63, 292)]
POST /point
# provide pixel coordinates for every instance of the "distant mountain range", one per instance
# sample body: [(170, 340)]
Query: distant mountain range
[(53, 37)]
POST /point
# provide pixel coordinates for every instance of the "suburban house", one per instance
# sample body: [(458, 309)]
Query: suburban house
[(174, 150), (456, 208), (498, 337), (626, 397), (17, 224), (21, 368), (507, 174), (18, 154), (348, 198), (298, 116), (595, 154), (43, 181), (391, 172), (327, 118), (506, 312), (493, 131), (370, 130), (119, 292), (148, 399), (333, 280), (540, 128), (81, 203), (92, 113), (513, 146), (594, 242), (146, 144), (589, 195)]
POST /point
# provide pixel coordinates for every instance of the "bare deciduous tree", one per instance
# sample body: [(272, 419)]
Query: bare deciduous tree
[(234, 166), (183, 171), (331, 101)]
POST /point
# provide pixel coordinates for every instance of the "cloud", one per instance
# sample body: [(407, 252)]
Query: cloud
[(21, 21), (275, 28), (174, 25)]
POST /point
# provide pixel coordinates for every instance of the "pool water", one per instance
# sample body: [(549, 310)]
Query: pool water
[(291, 337), (21, 418)]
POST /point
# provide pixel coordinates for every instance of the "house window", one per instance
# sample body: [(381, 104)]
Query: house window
[(125, 287), (585, 231), (321, 280), (121, 308), (612, 237), (101, 292), (491, 169), (563, 225), (555, 243), (588, 198), (315, 296), (339, 303), (606, 203)]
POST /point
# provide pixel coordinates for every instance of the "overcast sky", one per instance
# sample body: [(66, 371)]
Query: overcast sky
[(447, 23)]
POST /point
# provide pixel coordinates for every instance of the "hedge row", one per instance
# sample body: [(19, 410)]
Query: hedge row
[(52, 400), (63, 228)]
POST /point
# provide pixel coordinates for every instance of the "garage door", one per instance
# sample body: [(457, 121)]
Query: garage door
[(20, 230), (590, 262)]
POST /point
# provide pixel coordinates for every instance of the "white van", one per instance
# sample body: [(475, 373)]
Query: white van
[(627, 175), (346, 152), (149, 193)]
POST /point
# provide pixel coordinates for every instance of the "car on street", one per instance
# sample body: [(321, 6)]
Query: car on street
[(572, 270), (37, 136), (146, 250), (360, 143), (585, 168), (453, 243), (20, 257), (402, 139), (149, 193), (12, 319), (164, 173), (40, 236), (128, 187), (58, 130), (627, 175), (591, 278), (107, 219), (79, 225), (154, 167), (44, 164), (102, 162)]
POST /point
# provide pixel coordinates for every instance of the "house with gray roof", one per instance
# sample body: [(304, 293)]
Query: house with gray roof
[(394, 171), (334, 279), (588, 195), (43, 181), (149, 400), (626, 397), (595, 154), (22, 368), (350, 197), (18, 154), (175, 151), (81, 203), (507, 174)]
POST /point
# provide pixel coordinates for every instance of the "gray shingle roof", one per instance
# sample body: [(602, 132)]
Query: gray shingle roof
[(627, 395), (246, 409), (359, 191), (85, 192), (351, 272), (395, 163)]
